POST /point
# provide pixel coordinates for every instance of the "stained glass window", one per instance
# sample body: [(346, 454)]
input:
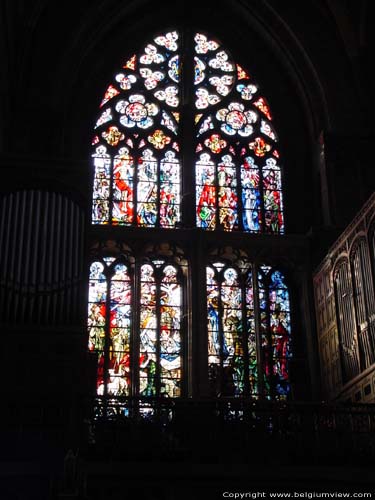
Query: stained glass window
[(160, 331), (182, 116), (111, 320), (238, 175), (248, 353), (140, 145), (275, 330), (136, 159)]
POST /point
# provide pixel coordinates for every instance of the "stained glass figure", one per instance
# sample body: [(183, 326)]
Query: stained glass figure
[(275, 329), (232, 117), (272, 197), (251, 196), (250, 336), (97, 307), (109, 324), (118, 383), (102, 183), (140, 107), (232, 357), (206, 192), (123, 187), (160, 332), (170, 333), (148, 332), (220, 128), (238, 331)]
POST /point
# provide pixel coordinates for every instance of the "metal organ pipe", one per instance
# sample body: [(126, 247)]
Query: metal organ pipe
[(41, 258)]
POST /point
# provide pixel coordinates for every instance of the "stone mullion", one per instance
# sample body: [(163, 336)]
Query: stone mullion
[(158, 278), (107, 340), (187, 128), (135, 329), (245, 337), (258, 333)]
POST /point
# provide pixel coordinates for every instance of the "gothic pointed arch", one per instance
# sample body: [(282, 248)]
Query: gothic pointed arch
[(238, 174), (182, 117), (137, 179), (185, 152)]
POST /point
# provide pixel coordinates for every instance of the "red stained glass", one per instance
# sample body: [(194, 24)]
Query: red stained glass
[(263, 107), (109, 94), (215, 143), (130, 64), (259, 146), (241, 73)]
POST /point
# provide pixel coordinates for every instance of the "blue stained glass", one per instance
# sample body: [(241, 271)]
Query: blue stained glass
[(232, 336), (225, 335), (276, 330), (174, 71), (199, 74)]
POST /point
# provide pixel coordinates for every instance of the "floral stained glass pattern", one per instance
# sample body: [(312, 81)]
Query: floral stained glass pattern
[(232, 118), (141, 112), (140, 108), (141, 140)]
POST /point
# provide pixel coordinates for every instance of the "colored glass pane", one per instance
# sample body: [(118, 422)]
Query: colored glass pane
[(275, 331), (235, 325), (169, 190), (118, 383), (160, 332), (148, 333), (232, 356), (251, 341), (170, 333), (225, 99), (251, 196), (101, 190), (280, 332), (206, 192), (129, 179), (272, 195), (232, 117), (97, 306), (227, 193), (232, 348)]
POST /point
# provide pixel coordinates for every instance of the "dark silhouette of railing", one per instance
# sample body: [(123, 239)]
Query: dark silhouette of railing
[(186, 429)]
